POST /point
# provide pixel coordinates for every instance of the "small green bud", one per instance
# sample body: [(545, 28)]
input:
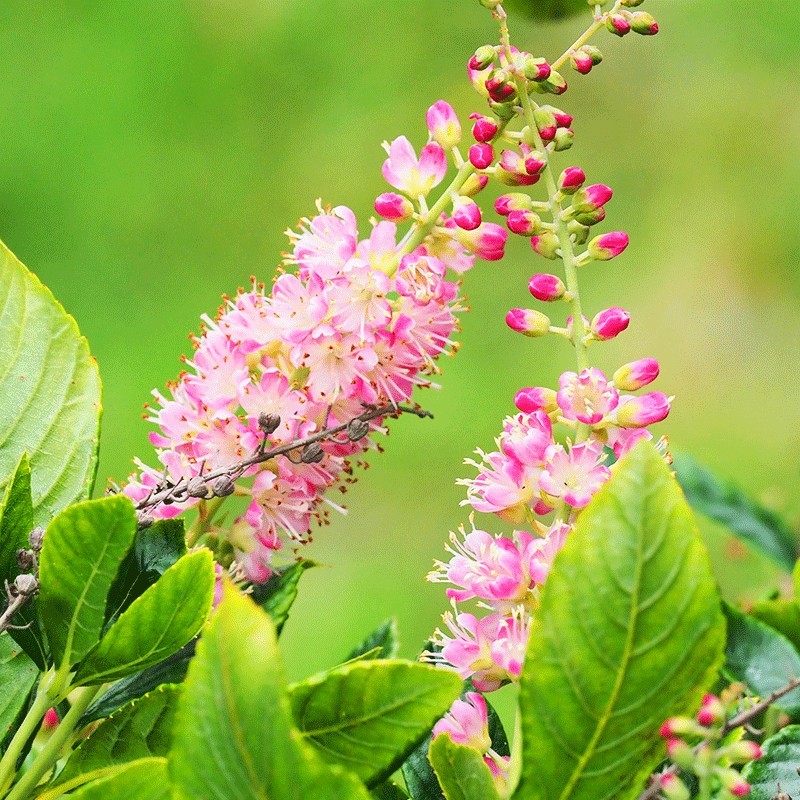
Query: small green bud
[(546, 244), (593, 53), (484, 57), (643, 24), (563, 139)]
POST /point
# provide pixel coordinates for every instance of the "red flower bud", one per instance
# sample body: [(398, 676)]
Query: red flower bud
[(642, 23), (484, 129), (528, 322), (571, 179), (608, 245), (523, 223), (514, 201), (394, 207), (610, 323), (481, 156), (533, 399), (467, 214), (618, 24), (546, 288)]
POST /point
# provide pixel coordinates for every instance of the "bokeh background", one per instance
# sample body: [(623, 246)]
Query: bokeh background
[(153, 151)]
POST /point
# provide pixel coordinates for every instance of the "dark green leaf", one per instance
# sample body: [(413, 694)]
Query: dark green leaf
[(777, 767), (419, 775), (497, 732), (782, 615), (368, 716), (388, 791), (726, 503), (762, 658), (146, 779), (461, 770), (157, 624), (381, 643), (16, 519), (234, 736), (155, 550), (49, 393), (17, 676), (628, 633), (278, 594), (141, 729)]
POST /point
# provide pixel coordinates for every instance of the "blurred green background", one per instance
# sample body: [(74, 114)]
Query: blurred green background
[(152, 152)]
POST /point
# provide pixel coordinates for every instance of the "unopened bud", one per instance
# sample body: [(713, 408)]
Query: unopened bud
[(742, 752), (535, 162), (673, 787), (50, 720), (636, 374), (144, 520), (443, 124), (474, 184), (223, 486), (639, 412), (394, 207), (555, 84), (26, 560), (546, 123), (312, 453), (712, 710), (25, 585), (197, 487), (546, 244), (535, 398), (618, 24), (484, 129), (546, 288), (535, 69), (592, 217), (466, 214), (357, 429), (528, 322), (590, 198), (571, 179), (500, 86), (680, 726), (733, 782), (581, 62), (513, 201), (593, 53), (608, 245), (644, 24), (609, 323), (524, 223), (268, 423), (563, 120), (36, 539), (483, 57), (481, 156), (680, 753), (563, 139)]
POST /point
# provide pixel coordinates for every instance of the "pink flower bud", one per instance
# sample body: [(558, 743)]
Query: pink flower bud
[(581, 62), (571, 179), (481, 156), (679, 726), (500, 86), (563, 120), (484, 129), (608, 246), (592, 217), (618, 24), (487, 242), (484, 57), (546, 122), (50, 720), (523, 223), (546, 244), (642, 23), (512, 170), (563, 139), (528, 322), (555, 84), (590, 198), (466, 214), (394, 207), (742, 752), (535, 69), (636, 374), (673, 787), (680, 752), (546, 287), (609, 323), (712, 711), (514, 201), (534, 398), (535, 163), (474, 184), (443, 124), (639, 412), (734, 782)]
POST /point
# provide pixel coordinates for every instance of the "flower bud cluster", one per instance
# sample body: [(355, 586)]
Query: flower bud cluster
[(703, 747)]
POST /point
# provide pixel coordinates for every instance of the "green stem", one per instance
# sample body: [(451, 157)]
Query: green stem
[(50, 753), (205, 516)]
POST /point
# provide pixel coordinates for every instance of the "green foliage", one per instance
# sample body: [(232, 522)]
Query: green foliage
[(157, 624), (234, 736), (628, 633), (369, 715), (17, 676), (461, 771), (783, 614), (726, 503), (278, 594), (778, 765), (83, 548), (155, 550), (548, 9), (145, 779), (142, 729), (381, 643), (16, 518), (762, 658), (49, 393), (388, 791)]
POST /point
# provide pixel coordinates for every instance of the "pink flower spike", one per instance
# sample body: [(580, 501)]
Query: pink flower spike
[(443, 125), (587, 398), (571, 179), (466, 214), (394, 207), (609, 323), (636, 374), (535, 399), (639, 412), (484, 129), (487, 241), (481, 156), (467, 722), (528, 322), (575, 475), (411, 175), (608, 245), (546, 288)]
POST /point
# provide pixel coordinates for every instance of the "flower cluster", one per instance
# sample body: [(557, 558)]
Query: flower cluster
[(355, 321), (711, 752), (558, 450)]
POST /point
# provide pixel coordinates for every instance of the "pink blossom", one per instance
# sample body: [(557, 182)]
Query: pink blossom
[(622, 440), (508, 649), (586, 397), (467, 722), (326, 242), (503, 486), (574, 475), (411, 175), (443, 125), (526, 437)]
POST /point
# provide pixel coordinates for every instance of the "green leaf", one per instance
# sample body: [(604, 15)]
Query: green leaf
[(49, 393), (381, 643), (368, 716), (146, 779), (388, 791), (547, 9), (142, 729), (17, 676), (16, 519), (762, 658), (782, 615), (726, 503), (778, 766), (83, 548), (170, 670), (234, 736), (278, 594), (155, 550), (157, 624), (419, 775), (461, 771), (628, 633)]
